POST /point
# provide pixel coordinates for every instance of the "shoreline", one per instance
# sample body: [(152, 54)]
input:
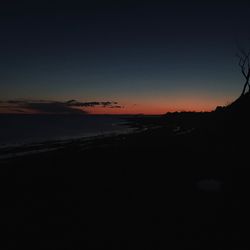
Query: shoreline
[(11, 151)]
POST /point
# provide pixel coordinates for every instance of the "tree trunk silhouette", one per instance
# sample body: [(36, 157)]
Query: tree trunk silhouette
[(244, 63), (244, 88)]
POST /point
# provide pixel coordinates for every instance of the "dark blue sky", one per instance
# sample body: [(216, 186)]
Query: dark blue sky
[(149, 56)]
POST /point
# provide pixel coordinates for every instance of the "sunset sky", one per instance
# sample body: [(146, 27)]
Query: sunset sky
[(143, 57)]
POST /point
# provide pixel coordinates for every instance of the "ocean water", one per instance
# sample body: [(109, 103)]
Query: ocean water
[(28, 129)]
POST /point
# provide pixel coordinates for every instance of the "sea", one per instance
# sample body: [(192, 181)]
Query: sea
[(17, 130)]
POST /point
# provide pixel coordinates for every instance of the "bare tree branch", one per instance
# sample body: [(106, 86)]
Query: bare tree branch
[(244, 64)]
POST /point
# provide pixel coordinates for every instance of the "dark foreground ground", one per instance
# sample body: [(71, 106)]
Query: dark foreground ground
[(182, 186)]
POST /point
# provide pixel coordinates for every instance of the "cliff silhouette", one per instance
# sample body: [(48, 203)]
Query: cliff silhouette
[(241, 105), (236, 114)]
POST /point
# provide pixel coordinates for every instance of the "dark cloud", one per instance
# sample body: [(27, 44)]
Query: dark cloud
[(52, 107), (16, 102), (90, 104)]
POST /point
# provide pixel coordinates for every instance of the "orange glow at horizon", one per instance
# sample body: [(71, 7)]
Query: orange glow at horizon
[(158, 108), (146, 105)]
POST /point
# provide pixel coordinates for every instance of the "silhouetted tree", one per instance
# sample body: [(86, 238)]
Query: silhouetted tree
[(244, 63)]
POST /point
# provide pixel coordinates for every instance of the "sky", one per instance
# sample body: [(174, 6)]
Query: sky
[(147, 57)]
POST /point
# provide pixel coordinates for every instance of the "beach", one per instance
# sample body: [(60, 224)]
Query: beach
[(145, 190)]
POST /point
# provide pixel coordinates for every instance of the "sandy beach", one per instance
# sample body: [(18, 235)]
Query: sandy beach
[(165, 185)]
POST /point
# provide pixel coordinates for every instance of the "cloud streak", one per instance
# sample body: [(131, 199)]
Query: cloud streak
[(75, 103), (52, 107)]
